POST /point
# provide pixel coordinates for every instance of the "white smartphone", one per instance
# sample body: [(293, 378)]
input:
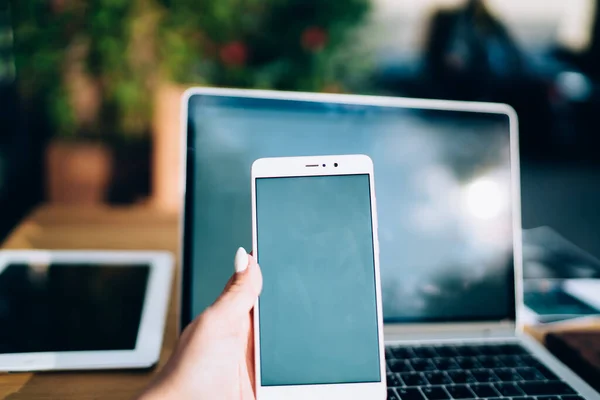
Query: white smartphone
[(318, 325)]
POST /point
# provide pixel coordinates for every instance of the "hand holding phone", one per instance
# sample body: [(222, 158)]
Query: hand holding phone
[(318, 322)]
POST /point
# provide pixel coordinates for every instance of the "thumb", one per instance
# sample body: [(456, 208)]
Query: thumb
[(242, 290)]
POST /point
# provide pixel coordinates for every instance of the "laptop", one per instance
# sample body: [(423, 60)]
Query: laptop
[(448, 202)]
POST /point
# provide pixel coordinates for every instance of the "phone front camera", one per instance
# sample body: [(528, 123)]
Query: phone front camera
[(335, 164), (324, 165)]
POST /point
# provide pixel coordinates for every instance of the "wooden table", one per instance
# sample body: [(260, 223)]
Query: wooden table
[(139, 228)]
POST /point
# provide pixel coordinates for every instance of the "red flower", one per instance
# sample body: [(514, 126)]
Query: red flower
[(234, 54), (314, 38)]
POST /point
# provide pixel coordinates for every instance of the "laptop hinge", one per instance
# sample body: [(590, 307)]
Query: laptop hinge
[(450, 331)]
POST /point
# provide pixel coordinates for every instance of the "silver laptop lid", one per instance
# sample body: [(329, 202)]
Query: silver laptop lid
[(447, 189)]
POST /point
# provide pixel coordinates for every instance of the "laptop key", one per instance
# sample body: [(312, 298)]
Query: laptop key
[(402, 353), (437, 378), (446, 351), (490, 362), (461, 377), (392, 395), (420, 364), (572, 397), (393, 380), (507, 375), (460, 392), (530, 374), (435, 393), (424, 352), (388, 354), (467, 351), (529, 360), (512, 361), (489, 350), (399, 366), (508, 389), (546, 388), (410, 394), (519, 362), (546, 372), (484, 390), (485, 376), (467, 363), (445, 364), (413, 379)]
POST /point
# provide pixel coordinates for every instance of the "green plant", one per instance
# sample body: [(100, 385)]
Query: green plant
[(79, 55), (95, 63), (275, 44)]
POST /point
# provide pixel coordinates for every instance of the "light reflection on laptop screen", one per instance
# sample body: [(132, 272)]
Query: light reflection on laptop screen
[(443, 186)]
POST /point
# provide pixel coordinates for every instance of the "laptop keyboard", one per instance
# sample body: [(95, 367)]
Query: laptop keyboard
[(497, 371)]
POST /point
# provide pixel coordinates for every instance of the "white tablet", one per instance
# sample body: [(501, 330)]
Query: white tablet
[(68, 310)]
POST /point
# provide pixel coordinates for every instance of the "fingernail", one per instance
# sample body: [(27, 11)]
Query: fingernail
[(241, 260)]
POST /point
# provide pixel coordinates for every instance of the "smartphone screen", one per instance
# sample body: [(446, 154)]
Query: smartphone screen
[(318, 307)]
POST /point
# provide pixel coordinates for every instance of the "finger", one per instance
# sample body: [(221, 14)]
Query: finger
[(240, 263), (241, 292), (241, 260)]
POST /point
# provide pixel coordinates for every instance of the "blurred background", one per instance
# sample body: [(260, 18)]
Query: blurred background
[(89, 103)]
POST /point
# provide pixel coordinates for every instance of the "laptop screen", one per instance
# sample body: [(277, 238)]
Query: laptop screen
[(443, 187)]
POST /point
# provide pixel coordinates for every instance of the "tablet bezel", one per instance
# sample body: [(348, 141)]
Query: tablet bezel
[(152, 322)]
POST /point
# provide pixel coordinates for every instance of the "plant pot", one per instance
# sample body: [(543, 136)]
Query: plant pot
[(166, 156), (130, 181), (78, 173)]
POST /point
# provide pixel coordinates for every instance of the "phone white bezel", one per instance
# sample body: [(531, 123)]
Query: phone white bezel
[(319, 166), (152, 322)]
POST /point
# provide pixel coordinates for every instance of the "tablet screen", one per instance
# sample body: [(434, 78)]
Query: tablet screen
[(71, 307)]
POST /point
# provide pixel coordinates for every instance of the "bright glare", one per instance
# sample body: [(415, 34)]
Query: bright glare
[(484, 199)]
